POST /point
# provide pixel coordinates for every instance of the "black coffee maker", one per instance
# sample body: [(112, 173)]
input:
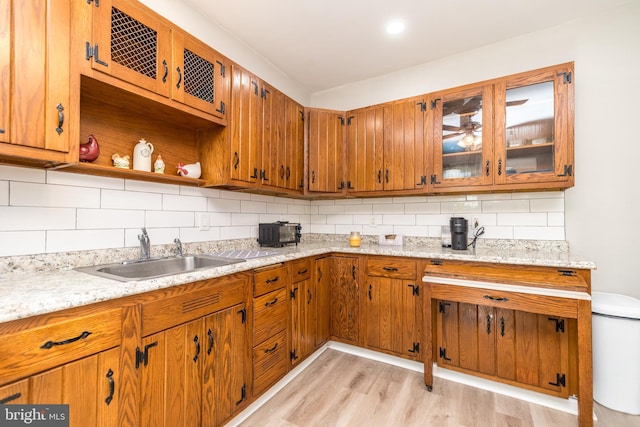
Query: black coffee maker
[(459, 229)]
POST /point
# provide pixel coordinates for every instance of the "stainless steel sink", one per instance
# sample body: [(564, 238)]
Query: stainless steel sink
[(149, 269)]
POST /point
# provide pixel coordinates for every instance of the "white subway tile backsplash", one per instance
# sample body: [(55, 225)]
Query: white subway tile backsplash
[(331, 209), (22, 242), (472, 206), (109, 218), (298, 209), (377, 230), (243, 232), (358, 209), (398, 219), (155, 219), (271, 217), (411, 230), (61, 196), (112, 199), (151, 187), (555, 219), (495, 206), (322, 228), (317, 219), (441, 199), (422, 208), (15, 173), (339, 219), (35, 218), (191, 235), (4, 193), (172, 202), (79, 180), (79, 240), (347, 228), (276, 208), (538, 233), (223, 205), (539, 195), (253, 207), (547, 205), (522, 219), (490, 196), (199, 192), (234, 195), (263, 198), (388, 208), (410, 200), (366, 219), (433, 219), (498, 232), (239, 219)]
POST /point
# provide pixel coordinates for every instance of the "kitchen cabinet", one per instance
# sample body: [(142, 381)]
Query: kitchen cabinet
[(392, 308), (283, 154), (35, 89), (325, 145), (322, 276), (385, 148), (515, 346), (345, 303), (511, 133), (193, 354), (271, 354), (303, 311)]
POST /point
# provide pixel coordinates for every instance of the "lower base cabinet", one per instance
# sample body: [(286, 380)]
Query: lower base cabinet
[(344, 305)]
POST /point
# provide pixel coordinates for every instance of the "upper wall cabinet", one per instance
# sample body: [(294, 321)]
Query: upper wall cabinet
[(534, 128), (134, 44), (34, 89), (325, 130), (511, 133)]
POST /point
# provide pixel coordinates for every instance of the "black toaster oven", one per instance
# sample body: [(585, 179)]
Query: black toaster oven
[(279, 233)]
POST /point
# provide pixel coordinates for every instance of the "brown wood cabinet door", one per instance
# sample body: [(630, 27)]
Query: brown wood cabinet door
[(39, 78), (5, 69), (198, 75), (171, 378), (303, 320), (447, 333), (246, 126), (322, 277), (90, 386), (273, 172), (364, 150), (391, 308), (344, 298), (133, 44), (294, 141), (225, 384), (325, 138), (505, 344), (405, 151)]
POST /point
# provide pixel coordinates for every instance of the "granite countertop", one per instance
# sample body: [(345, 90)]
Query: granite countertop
[(27, 294)]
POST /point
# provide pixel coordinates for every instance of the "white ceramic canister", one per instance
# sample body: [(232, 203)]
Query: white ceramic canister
[(142, 156)]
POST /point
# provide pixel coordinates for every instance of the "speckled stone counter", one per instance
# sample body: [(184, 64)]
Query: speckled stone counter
[(25, 294)]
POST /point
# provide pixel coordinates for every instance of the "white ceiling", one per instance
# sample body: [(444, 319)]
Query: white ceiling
[(323, 44)]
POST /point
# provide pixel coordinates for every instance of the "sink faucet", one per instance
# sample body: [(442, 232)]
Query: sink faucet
[(145, 244), (178, 246)]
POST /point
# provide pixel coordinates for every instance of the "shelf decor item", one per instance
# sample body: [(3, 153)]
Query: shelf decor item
[(192, 170), (158, 165), (142, 156), (121, 162), (89, 151)]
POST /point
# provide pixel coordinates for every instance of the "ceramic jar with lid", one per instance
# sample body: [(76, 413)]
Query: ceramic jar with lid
[(142, 156)]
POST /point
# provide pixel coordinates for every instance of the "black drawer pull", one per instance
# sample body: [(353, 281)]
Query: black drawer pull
[(197, 342), (10, 398), (210, 335), (301, 272), (50, 344), (270, 303), (499, 299), (570, 273), (274, 280), (390, 268), (272, 349)]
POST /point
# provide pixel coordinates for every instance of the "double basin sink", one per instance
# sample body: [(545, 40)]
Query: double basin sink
[(158, 267)]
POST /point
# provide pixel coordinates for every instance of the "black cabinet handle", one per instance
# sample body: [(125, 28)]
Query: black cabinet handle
[(499, 299), (179, 77), (112, 387), (370, 288), (243, 312), (301, 272), (255, 87), (197, 342), (60, 109), (379, 176), (353, 272), (281, 171), (313, 177), (390, 268), (308, 297), (499, 167), (50, 344), (236, 160), (488, 324), (166, 71), (255, 173), (272, 349), (288, 173), (243, 394), (486, 170), (10, 398), (210, 335), (319, 274), (270, 303), (386, 176), (274, 280), (502, 326)]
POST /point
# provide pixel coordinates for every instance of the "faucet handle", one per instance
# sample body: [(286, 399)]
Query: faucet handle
[(178, 246)]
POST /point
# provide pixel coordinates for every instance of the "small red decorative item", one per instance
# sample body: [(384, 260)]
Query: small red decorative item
[(89, 151)]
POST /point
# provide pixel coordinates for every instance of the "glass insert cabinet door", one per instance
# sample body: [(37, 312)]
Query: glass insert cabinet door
[(533, 135), (463, 138)]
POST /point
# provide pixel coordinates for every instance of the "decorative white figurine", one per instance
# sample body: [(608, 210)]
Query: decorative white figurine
[(158, 166), (142, 156), (120, 162), (192, 170)]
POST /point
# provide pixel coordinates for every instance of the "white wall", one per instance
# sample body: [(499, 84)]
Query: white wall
[(600, 210)]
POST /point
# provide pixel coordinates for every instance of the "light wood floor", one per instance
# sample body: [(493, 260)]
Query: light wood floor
[(340, 389)]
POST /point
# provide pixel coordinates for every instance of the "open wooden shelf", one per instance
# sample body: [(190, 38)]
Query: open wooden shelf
[(113, 172)]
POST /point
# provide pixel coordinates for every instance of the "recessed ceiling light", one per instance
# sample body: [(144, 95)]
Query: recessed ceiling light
[(395, 27)]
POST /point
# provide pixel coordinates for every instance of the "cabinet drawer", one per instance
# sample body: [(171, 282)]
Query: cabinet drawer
[(391, 267), (544, 277), (300, 270), (269, 315), (39, 348), (182, 304), (269, 280), (540, 304), (270, 354)]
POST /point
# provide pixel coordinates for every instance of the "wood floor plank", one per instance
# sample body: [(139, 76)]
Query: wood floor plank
[(339, 389)]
